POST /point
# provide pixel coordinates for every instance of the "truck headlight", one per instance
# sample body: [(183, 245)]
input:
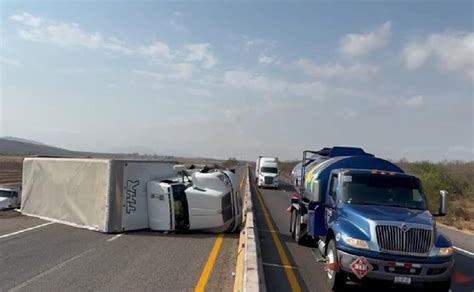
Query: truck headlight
[(354, 242), (445, 251)]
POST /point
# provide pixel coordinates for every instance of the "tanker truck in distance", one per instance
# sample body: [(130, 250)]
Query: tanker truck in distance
[(267, 172), (369, 220)]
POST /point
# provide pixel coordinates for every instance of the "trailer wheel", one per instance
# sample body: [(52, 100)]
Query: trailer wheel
[(336, 279)]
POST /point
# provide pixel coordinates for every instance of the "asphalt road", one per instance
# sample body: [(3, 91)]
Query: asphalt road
[(300, 261), (56, 257)]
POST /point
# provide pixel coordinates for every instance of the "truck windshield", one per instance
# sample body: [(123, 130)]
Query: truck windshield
[(269, 169), (385, 190), (6, 194)]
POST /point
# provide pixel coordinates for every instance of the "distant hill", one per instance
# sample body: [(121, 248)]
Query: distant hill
[(24, 147), (18, 146)]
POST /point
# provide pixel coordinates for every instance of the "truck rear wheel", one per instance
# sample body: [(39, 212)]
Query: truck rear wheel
[(293, 223), (336, 279), (299, 232)]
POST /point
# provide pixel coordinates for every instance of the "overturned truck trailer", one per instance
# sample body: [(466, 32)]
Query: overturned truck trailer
[(111, 195)]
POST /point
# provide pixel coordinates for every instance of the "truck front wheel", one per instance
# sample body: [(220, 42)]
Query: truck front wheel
[(335, 277)]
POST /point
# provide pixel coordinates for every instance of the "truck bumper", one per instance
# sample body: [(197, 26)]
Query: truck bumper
[(384, 270), (264, 185)]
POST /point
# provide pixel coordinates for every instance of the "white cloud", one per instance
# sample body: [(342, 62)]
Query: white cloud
[(261, 44), (353, 71), (72, 35), (27, 19), (354, 45), (177, 13), (10, 62), (64, 34), (266, 60), (450, 51), (201, 53), (241, 79), (179, 71), (413, 102), (157, 50)]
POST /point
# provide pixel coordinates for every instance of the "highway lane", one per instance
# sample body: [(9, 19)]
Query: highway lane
[(308, 272), (57, 257)]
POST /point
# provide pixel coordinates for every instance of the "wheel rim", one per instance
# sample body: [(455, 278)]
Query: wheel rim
[(297, 227), (330, 257)]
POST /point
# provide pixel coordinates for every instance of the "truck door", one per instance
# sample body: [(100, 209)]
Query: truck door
[(331, 201), (160, 206)]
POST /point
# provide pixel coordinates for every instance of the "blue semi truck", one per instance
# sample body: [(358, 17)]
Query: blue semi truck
[(369, 220)]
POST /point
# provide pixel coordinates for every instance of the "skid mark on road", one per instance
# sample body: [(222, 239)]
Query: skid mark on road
[(25, 230)]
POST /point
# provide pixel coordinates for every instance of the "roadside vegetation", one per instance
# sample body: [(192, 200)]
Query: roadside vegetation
[(456, 177)]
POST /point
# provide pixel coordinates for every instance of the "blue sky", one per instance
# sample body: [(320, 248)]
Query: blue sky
[(221, 79)]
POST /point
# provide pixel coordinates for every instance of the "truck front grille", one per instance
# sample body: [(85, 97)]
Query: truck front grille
[(395, 239), (226, 207), (268, 180)]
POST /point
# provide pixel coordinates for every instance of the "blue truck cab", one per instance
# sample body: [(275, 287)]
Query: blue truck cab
[(369, 220)]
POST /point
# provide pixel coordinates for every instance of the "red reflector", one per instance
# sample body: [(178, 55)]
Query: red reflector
[(391, 264), (407, 265)]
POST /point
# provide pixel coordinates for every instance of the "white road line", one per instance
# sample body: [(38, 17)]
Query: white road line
[(25, 230), (279, 266), (463, 251), (57, 267), (115, 237)]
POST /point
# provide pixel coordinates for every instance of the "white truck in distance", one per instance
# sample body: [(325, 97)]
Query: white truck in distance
[(266, 172)]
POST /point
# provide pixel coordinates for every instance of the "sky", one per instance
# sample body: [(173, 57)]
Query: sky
[(240, 79)]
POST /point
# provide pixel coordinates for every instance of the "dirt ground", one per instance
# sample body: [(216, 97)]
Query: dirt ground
[(11, 170)]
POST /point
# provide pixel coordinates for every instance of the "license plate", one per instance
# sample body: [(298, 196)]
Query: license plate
[(403, 280)]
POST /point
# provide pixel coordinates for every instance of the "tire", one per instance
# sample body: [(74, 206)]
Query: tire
[(444, 286), (336, 280), (300, 235), (292, 223)]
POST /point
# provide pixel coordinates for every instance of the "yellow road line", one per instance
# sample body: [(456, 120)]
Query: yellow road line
[(290, 274), (211, 261), (243, 179)]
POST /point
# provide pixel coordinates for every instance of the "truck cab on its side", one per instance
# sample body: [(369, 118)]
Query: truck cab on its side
[(208, 200)]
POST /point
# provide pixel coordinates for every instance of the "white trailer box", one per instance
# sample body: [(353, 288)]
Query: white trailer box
[(106, 195)]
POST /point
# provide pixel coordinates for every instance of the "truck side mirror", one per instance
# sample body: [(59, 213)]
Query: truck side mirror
[(443, 195), (316, 195)]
